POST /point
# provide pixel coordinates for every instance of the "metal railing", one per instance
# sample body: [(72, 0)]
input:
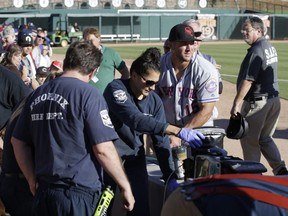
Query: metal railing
[(265, 6)]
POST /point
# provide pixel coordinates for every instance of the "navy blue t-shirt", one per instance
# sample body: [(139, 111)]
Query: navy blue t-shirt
[(260, 66), (63, 119), (12, 91), (132, 118)]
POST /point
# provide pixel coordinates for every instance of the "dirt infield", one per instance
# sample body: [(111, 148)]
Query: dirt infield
[(233, 146)]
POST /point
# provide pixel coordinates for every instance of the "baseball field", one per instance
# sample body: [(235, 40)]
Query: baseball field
[(230, 55)]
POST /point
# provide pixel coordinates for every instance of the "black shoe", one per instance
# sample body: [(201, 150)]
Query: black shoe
[(282, 171)]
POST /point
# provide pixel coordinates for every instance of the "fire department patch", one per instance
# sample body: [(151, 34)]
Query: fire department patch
[(106, 118), (120, 96)]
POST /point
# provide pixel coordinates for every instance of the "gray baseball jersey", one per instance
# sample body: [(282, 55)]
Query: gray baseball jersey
[(199, 84)]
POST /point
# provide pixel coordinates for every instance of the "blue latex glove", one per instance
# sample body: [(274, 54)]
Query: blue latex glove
[(193, 137), (172, 185)]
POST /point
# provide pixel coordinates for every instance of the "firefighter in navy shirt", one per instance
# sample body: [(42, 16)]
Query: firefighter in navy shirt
[(67, 122), (135, 109)]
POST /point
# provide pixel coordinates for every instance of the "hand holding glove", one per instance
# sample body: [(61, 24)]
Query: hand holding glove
[(193, 137), (172, 185)]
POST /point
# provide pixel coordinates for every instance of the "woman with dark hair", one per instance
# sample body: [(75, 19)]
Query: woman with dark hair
[(12, 61), (135, 109)]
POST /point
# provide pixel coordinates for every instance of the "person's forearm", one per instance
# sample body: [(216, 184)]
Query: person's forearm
[(172, 130), (202, 116), (242, 91), (198, 120), (109, 159)]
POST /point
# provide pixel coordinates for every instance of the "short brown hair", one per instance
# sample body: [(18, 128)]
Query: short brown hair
[(93, 31)]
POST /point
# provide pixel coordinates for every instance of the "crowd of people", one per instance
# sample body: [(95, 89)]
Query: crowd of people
[(71, 128)]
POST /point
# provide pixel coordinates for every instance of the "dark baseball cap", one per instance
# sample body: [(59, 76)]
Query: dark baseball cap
[(25, 39), (43, 71), (183, 33)]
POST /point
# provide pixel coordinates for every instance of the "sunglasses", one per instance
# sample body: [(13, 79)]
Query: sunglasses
[(148, 82), (41, 37)]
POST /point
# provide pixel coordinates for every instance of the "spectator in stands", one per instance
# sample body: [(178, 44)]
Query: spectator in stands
[(41, 74), (45, 60), (111, 61), (55, 70), (12, 61), (9, 36), (48, 41), (26, 42), (12, 91), (37, 50), (34, 35)]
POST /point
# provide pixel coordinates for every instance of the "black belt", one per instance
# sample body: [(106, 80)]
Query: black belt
[(263, 97), (14, 175)]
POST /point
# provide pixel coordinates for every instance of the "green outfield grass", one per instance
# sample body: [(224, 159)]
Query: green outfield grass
[(229, 55)]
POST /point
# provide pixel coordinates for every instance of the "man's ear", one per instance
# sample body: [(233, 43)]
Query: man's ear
[(92, 74)]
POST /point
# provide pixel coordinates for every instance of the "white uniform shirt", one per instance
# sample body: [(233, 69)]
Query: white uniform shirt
[(199, 83)]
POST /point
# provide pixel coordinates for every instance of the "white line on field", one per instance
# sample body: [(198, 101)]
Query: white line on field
[(229, 75)]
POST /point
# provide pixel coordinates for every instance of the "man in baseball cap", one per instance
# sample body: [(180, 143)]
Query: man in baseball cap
[(182, 33), (55, 70), (41, 74), (188, 84), (57, 64), (26, 42)]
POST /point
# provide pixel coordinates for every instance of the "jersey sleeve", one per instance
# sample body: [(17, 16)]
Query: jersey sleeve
[(122, 106), (208, 82)]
